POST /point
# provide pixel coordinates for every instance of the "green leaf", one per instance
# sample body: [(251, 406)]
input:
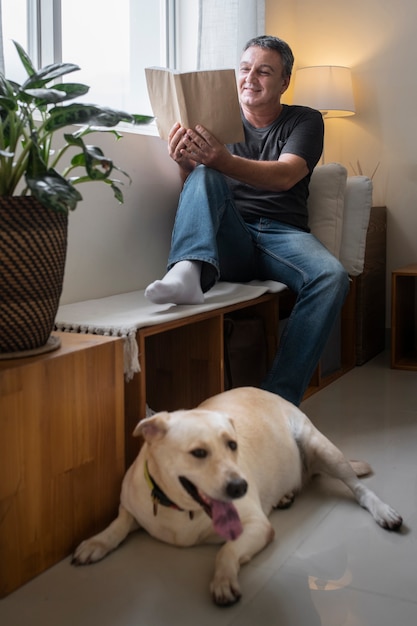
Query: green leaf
[(73, 90), (74, 139), (6, 88), (87, 130), (90, 114), (117, 193), (36, 166), (142, 119), (44, 96), (59, 93), (8, 103), (48, 73), (25, 59), (98, 166), (53, 191), (122, 172)]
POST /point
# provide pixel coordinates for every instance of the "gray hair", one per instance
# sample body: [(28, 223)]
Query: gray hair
[(274, 43)]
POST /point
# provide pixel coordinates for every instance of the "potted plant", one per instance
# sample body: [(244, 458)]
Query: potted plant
[(41, 168)]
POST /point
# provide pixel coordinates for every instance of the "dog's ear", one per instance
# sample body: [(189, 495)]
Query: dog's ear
[(152, 428)]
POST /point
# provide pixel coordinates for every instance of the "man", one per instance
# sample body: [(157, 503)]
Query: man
[(242, 214)]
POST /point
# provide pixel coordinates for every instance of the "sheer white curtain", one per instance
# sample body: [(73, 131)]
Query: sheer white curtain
[(1, 45), (224, 28)]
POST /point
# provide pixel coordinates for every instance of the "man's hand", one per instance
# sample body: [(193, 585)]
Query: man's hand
[(202, 147), (177, 152)]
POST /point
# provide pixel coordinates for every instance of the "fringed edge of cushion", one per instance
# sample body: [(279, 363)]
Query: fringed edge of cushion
[(130, 347)]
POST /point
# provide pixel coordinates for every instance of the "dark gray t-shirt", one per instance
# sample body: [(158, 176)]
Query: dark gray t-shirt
[(298, 130)]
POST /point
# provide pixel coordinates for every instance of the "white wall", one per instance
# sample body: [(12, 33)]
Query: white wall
[(114, 248), (377, 39)]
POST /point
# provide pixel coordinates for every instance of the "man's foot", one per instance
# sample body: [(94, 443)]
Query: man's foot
[(181, 285)]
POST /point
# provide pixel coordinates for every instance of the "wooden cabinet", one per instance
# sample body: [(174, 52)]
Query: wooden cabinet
[(61, 452), (404, 318)]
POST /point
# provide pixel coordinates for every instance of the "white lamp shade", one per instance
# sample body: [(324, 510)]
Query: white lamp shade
[(327, 88)]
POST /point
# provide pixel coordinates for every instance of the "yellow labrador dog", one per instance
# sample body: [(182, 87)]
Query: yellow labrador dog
[(214, 474)]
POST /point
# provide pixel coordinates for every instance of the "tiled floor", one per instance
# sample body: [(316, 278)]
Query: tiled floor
[(330, 564)]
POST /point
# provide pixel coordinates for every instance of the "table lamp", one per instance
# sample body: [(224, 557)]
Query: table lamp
[(327, 88)]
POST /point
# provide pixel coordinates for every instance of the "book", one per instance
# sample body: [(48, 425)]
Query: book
[(206, 97)]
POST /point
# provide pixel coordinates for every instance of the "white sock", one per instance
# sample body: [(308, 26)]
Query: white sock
[(181, 285)]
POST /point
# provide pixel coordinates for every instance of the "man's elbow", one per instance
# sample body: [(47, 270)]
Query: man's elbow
[(285, 183), (292, 170)]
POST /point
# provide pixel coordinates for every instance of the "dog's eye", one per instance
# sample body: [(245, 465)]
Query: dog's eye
[(199, 453), (232, 445)]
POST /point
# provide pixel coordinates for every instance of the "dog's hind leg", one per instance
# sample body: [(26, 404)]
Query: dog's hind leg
[(224, 587), (325, 457), (98, 546)]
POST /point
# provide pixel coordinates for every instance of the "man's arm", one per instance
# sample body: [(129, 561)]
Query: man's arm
[(279, 175)]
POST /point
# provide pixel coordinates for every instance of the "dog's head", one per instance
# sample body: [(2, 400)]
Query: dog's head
[(193, 456)]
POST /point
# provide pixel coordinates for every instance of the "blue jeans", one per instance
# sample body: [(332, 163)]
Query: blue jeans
[(208, 228)]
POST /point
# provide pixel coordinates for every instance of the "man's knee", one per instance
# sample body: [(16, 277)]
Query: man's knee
[(339, 278), (331, 277), (207, 177), (342, 277)]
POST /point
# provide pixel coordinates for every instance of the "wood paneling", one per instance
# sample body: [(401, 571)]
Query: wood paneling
[(61, 452)]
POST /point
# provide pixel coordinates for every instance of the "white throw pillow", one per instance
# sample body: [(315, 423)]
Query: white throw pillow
[(326, 205), (358, 203)]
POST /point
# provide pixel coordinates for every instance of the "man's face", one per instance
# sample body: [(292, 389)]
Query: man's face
[(260, 78)]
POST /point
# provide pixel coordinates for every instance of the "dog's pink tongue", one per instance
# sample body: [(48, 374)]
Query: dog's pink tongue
[(226, 519)]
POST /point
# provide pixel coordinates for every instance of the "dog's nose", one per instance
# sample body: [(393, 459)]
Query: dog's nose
[(236, 488)]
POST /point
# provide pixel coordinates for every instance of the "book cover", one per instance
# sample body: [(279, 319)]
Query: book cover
[(206, 97)]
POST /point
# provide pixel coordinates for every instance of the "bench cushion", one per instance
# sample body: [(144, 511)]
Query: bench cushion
[(339, 211), (123, 314), (326, 204), (358, 203)]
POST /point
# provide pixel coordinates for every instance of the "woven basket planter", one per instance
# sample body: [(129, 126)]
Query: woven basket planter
[(33, 248)]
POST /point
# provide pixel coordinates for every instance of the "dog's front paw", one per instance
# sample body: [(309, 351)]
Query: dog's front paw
[(89, 551), (225, 590)]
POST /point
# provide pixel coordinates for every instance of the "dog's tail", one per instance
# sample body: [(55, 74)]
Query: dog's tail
[(361, 468)]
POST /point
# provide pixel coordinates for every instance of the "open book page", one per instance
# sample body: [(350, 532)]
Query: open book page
[(206, 97)]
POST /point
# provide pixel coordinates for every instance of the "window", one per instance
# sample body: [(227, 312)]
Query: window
[(112, 47), (114, 40)]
